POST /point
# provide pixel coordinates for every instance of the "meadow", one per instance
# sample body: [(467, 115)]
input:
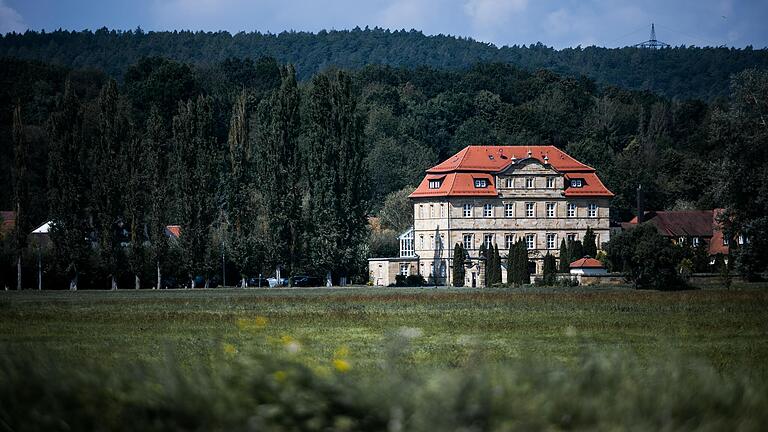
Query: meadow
[(384, 358)]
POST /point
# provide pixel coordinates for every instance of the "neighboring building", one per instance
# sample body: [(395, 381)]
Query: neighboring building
[(690, 227), (7, 222), (498, 195), (587, 267)]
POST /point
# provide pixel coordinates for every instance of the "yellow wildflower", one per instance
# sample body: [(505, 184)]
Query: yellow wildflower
[(256, 323), (341, 365), (229, 349)]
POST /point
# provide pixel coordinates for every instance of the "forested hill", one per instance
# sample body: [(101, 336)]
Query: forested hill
[(681, 73)]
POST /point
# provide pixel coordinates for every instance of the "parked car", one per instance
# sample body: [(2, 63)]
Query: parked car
[(273, 282), (256, 282), (305, 281)]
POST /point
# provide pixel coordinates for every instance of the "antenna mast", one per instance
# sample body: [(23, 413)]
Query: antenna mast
[(652, 43)]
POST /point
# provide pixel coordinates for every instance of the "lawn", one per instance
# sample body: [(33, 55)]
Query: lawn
[(727, 328), (384, 359)]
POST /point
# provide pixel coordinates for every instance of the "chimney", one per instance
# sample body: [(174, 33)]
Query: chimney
[(640, 205)]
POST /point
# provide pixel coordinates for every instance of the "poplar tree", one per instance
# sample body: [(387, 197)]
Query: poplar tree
[(275, 137), (137, 160), (565, 264), (590, 247), (20, 190), (155, 143), (482, 253), (458, 265), (549, 270), (109, 135), (496, 265), (194, 184), (337, 177), (511, 264), (68, 187)]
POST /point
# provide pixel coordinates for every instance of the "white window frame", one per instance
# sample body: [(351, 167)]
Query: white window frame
[(530, 209), (725, 241), (421, 211), (577, 183), (695, 241), (467, 210), (442, 210), (530, 241), (488, 210), (435, 184), (481, 183), (405, 269), (681, 240), (488, 240), (530, 183), (550, 182), (551, 209), (592, 210), (551, 241), (509, 182), (468, 241), (509, 210), (431, 211), (571, 237), (571, 210), (421, 241), (509, 240)]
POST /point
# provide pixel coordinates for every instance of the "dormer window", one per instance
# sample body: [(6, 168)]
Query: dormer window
[(577, 183), (550, 182), (435, 184), (481, 183), (529, 182)]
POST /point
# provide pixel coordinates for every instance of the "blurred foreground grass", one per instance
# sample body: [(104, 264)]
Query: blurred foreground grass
[(378, 359)]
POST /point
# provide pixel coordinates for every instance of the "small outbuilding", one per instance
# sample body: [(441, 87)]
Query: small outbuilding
[(588, 267)]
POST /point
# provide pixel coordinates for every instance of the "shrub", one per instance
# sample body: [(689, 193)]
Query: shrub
[(415, 281), (648, 259)]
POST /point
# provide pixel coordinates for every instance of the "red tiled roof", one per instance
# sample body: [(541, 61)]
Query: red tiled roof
[(587, 262), (7, 222), (174, 230), (459, 170), (687, 223)]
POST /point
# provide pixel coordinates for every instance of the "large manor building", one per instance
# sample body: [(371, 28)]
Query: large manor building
[(497, 195)]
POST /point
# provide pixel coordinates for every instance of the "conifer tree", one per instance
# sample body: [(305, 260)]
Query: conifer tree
[(68, 187), (511, 264), (20, 190), (590, 247), (482, 253), (549, 270), (458, 265), (564, 260), (575, 250), (135, 161), (338, 190), (496, 265), (157, 147)]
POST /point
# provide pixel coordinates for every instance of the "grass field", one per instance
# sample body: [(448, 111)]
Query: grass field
[(355, 331)]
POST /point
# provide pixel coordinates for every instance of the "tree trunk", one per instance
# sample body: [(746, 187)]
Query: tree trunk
[(206, 283), (18, 273), (114, 283), (159, 279), (137, 283), (73, 283), (192, 283), (243, 283)]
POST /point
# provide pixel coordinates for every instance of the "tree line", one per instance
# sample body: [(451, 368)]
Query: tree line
[(211, 128), (683, 72)]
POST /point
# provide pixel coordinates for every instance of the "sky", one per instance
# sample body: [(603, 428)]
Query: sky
[(566, 23)]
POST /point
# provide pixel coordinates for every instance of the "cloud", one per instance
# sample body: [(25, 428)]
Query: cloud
[(492, 12), (10, 20), (406, 14)]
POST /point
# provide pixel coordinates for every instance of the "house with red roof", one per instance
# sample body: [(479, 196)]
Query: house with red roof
[(691, 227), (497, 195)]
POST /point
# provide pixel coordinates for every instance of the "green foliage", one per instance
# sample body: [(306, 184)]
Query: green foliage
[(397, 210), (648, 259), (459, 256), (564, 258), (517, 264), (549, 270), (590, 247)]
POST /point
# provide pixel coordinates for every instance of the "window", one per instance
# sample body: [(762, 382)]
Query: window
[(577, 183), (431, 211), (550, 210), (432, 242), (509, 241), (530, 209), (509, 210), (695, 241), (488, 240), (571, 237), (530, 241), (742, 239), (421, 241), (435, 184), (571, 210), (510, 182), (529, 182), (404, 269), (681, 240), (550, 182), (441, 239), (481, 183), (551, 241), (467, 210), (421, 211), (442, 210), (725, 241), (592, 210), (467, 241), (487, 210)]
